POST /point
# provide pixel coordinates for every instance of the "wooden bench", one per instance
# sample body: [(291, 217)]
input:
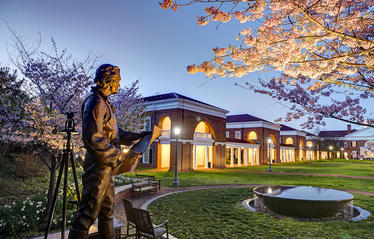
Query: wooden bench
[(140, 186), (151, 178)]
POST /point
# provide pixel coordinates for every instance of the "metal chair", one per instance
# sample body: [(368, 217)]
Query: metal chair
[(131, 217), (145, 227)]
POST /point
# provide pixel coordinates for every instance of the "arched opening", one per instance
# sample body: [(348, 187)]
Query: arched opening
[(252, 135), (272, 148), (164, 146), (301, 150), (203, 145), (309, 150), (289, 141)]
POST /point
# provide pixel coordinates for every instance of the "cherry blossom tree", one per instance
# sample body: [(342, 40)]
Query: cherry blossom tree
[(57, 84), (321, 50), (129, 107)]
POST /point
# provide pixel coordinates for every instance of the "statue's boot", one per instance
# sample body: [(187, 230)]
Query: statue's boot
[(78, 234), (106, 229)]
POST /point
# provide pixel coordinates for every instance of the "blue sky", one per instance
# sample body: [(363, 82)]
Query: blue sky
[(148, 43)]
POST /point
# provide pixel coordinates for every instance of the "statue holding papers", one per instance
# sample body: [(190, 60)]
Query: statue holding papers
[(106, 154)]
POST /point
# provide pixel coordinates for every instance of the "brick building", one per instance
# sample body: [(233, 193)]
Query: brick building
[(209, 138), (201, 142)]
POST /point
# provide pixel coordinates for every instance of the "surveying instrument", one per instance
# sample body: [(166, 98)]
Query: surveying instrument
[(65, 156)]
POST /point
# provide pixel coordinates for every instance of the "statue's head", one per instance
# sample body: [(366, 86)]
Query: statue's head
[(107, 79)]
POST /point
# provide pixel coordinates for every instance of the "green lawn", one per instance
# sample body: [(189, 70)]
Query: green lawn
[(218, 213), (336, 167)]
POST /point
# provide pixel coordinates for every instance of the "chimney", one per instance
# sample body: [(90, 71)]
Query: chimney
[(349, 129)]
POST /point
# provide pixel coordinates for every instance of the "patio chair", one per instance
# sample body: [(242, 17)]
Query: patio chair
[(130, 216), (145, 227)]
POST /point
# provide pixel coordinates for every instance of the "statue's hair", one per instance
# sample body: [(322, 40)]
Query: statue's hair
[(103, 74)]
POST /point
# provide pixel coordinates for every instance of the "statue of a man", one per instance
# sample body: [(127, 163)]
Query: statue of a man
[(102, 140)]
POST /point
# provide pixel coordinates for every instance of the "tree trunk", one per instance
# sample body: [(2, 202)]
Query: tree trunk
[(52, 182)]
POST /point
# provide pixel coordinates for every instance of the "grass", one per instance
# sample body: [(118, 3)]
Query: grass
[(21, 177), (236, 176), (336, 167), (218, 213)]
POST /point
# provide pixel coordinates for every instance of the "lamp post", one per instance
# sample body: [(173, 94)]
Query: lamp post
[(342, 153), (269, 142), (176, 181)]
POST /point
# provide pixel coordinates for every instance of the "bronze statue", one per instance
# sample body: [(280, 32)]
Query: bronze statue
[(102, 140)]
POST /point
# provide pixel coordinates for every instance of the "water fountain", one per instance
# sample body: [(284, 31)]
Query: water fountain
[(305, 203)]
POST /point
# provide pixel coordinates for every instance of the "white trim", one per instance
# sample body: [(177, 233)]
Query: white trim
[(287, 147), (241, 145), (220, 143), (178, 103), (252, 124), (293, 132), (183, 141)]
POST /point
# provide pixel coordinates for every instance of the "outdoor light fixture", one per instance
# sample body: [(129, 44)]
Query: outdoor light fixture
[(330, 147), (269, 142), (176, 133), (341, 149)]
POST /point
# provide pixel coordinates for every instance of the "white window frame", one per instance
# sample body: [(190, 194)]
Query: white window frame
[(227, 134), (345, 144), (238, 134), (146, 155)]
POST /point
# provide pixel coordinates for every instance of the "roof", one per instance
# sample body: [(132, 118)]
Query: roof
[(334, 133), (286, 128), (243, 118), (171, 96), (241, 141), (309, 134)]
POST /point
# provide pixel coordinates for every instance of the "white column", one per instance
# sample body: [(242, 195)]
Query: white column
[(211, 156), (206, 156), (246, 156), (232, 157), (250, 155), (194, 157), (255, 154), (239, 156)]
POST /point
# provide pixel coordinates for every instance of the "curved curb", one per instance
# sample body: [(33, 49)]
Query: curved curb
[(364, 214)]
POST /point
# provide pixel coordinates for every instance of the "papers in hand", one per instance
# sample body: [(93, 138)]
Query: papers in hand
[(140, 147)]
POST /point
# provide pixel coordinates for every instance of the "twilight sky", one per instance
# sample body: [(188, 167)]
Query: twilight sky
[(147, 43)]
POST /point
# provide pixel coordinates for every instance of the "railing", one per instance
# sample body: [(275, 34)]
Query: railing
[(165, 134), (199, 135)]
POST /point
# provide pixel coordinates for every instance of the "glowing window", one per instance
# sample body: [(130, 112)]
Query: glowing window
[(252, 135), (353, 143), (289, 141)]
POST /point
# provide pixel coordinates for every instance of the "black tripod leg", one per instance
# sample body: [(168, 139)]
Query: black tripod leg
[(75, 176), (52, 210), (66, 166)]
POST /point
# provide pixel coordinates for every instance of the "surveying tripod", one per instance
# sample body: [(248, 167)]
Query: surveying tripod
[(67, 155)]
